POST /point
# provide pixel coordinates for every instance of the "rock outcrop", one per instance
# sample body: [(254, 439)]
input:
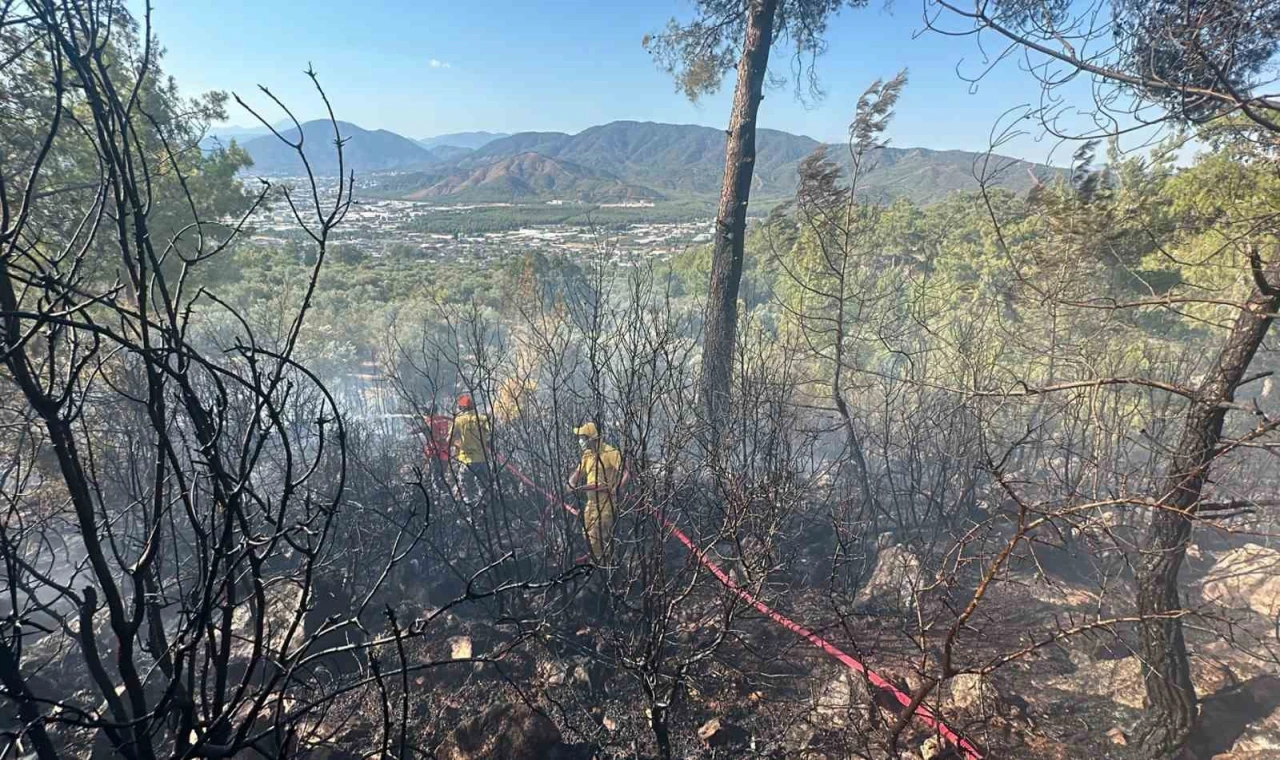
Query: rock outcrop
[(843, 700), (1246, 578), (894, 580), (503, 732), (973, 693)]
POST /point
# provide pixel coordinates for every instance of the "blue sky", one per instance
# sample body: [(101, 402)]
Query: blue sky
[(426, 67)]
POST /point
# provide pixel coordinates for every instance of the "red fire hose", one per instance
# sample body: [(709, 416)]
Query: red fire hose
[(923, 713)]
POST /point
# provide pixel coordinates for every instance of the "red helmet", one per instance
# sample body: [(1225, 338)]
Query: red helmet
[(465, 402)]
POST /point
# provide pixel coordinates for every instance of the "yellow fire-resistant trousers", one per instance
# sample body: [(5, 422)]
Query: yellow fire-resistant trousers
[(597, 521)]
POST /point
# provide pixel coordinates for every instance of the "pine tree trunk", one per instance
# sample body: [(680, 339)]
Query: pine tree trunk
[(731, 218), (1166, 672)]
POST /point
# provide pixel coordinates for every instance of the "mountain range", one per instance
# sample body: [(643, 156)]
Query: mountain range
[(225, 134), (364, 151), (619, 161), (528, 175), (467, 140)]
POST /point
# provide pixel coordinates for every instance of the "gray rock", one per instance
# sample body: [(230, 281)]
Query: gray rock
[(503, 732)]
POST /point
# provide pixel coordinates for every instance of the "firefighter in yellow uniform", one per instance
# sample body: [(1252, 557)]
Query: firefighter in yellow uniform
[(600, 474), (468, 441)]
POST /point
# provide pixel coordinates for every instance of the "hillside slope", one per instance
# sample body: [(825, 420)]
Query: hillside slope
[(468, 140), (672, 157), (689, 161), (924, 176), (365, 151), (623, 160), (523, 177)]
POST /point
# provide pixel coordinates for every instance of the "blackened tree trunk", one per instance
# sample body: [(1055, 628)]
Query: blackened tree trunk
[(731, 218), (1166, 672), (29, 710)]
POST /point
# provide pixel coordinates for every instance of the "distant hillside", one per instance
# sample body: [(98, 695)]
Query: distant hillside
[(226, 134), (468, 140), (450, 152), (221, 136), (678, 158), (624, 160), (526, 176), (925, 176), (546, 143), (689, 161), (364, 152)]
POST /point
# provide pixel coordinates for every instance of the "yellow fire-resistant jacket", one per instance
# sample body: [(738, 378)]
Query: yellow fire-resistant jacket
[(602, 466), (468, 435)]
